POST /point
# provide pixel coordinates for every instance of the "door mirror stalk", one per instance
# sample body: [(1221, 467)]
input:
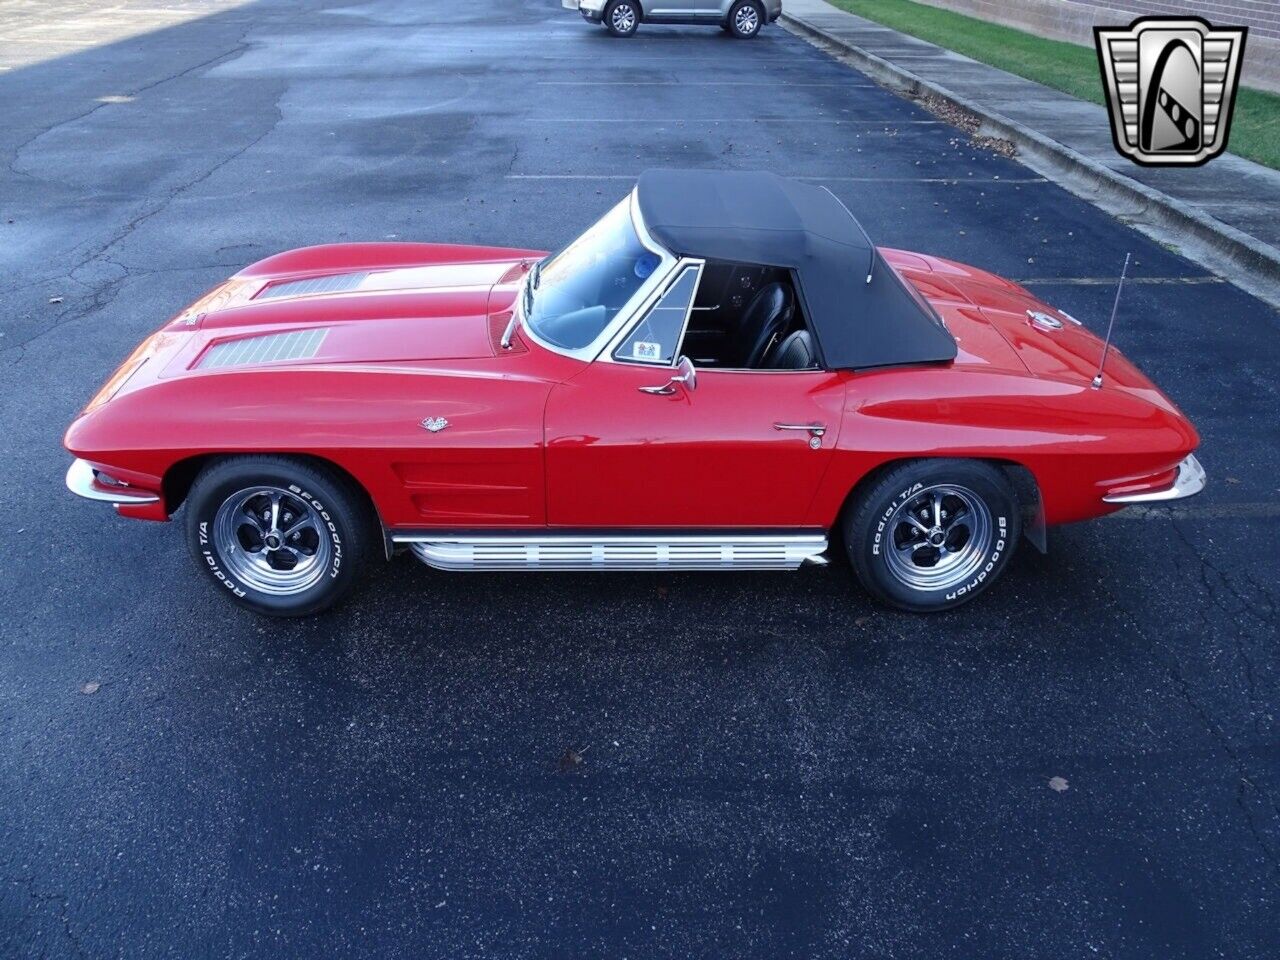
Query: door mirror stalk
[(685, 376)]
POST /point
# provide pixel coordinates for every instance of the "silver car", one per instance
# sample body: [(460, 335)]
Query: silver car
[(742, 18)]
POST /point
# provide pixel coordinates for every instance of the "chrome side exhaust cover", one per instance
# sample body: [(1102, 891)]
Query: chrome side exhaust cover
[(622, 552)]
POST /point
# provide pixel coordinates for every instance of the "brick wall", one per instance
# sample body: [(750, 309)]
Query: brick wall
[(1074, 20)]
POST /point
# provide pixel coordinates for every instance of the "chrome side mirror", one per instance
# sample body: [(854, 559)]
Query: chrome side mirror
[(685, 376)]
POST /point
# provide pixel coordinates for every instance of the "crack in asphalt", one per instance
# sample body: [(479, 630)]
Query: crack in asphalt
[(1207, 567), (1173, 667), (106, 292), (63, 908), (241, 47)]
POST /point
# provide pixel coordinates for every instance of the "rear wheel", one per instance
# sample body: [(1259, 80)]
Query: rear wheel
[(622, 17), (746, 17), (279, 536), (932, 534)]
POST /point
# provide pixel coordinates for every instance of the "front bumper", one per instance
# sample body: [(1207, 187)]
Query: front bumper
[(82, 480), (1189, 481), (592, 10)]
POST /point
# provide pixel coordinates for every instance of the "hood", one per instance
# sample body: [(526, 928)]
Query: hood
[(352, 303), (992, 321)]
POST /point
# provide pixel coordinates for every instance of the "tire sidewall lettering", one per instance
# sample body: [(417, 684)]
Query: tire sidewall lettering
[(335, 566), (877, 537), (997, 551), (211, 562)]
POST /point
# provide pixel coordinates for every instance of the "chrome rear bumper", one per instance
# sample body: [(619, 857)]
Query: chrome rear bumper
[(1190, 481), (82, 480)]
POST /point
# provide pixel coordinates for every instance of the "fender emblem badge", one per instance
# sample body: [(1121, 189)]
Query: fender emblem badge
[(434, 424)]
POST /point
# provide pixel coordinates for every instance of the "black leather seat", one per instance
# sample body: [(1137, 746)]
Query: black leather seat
[(794, 353), (762, 323)]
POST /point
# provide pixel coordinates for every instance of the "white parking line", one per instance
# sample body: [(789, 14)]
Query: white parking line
[(615, 63), (808, 120), (833, 179), (1112, 281), (700, 83), (51, 42)]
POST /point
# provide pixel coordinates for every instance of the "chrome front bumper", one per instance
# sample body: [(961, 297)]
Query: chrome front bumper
[(1190, 481), (83, 481)]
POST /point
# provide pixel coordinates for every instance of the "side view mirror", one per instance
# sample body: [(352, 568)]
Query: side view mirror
[(685, 376)]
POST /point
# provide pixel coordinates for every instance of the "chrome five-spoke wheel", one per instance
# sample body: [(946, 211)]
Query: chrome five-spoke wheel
[(939, 538), (281, 535), (272, 540), (931, 534)]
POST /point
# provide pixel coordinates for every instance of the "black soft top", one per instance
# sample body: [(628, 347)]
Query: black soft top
[(765, 219)]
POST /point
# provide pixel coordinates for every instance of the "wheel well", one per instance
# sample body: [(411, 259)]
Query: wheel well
[(635, 3), (1022, 479), (179, 477)]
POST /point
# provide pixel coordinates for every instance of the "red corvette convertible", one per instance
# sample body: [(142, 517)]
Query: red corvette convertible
[(722, 373)]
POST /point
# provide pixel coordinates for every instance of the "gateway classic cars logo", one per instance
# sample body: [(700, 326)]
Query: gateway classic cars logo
[(1171, 83)]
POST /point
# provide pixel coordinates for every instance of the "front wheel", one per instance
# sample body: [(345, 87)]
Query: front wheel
[(622, 17), (746, 17), (932, 534), (278, 535)]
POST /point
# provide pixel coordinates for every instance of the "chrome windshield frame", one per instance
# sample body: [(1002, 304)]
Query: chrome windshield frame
[(668, 263)]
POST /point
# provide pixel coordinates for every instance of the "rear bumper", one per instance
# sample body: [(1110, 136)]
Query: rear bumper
[(1189, 481), (82, 480)]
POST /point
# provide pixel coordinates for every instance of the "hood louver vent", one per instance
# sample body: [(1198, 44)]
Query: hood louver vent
[(299, 288), (272, 348)]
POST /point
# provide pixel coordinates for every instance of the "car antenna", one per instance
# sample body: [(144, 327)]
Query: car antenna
[(1106, 344)]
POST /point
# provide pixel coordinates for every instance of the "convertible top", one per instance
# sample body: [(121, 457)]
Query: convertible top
[(861, 311)]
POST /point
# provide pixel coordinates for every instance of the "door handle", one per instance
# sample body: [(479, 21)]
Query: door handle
[(663, 391), (815, 429)]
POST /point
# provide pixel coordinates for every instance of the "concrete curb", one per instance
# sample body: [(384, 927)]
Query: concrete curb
[(1231, 253)]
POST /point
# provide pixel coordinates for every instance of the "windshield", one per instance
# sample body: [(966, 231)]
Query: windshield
[(577, 292)]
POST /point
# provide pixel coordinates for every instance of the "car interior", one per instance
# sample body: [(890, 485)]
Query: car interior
[(748, 317)]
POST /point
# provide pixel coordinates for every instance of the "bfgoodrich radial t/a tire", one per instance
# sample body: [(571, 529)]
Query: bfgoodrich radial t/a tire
[(932, 534), (281, 536)]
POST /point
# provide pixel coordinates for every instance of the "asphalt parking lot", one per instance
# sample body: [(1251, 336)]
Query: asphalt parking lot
[(593, 765)]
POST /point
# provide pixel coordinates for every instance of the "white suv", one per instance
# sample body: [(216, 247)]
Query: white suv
[(742, 18)]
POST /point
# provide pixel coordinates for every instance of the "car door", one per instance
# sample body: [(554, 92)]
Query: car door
[(628, 447), (681, 8)]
